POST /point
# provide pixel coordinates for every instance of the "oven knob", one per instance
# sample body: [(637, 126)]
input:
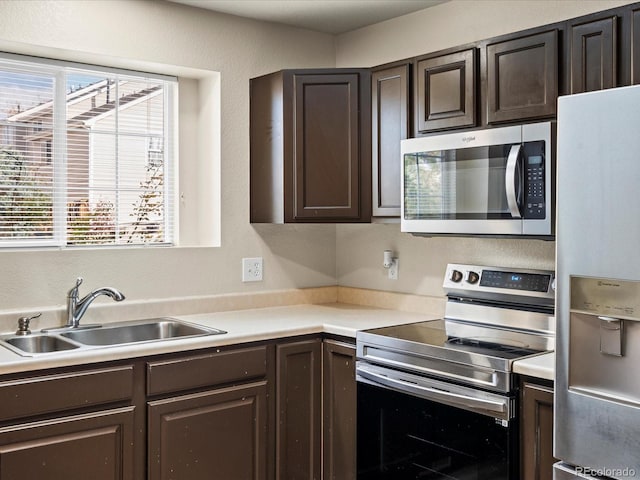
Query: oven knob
[(456, 276), (472, 277)]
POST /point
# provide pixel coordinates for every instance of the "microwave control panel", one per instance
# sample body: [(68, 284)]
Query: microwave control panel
[(534, 184)]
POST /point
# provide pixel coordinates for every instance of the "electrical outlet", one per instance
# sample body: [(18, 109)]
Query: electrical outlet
[(393, 270), (252, 269)]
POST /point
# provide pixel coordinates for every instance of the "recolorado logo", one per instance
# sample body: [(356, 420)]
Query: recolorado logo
[(607, 472)]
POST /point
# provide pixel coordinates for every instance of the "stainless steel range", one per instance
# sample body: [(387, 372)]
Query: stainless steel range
[(437, 399)]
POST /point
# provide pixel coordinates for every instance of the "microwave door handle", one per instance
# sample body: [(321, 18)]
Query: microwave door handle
[(512, 181)]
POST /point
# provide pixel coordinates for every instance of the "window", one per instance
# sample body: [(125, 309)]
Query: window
[(85, 155)]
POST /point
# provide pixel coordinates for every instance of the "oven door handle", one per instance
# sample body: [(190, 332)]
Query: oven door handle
[(436, 394)]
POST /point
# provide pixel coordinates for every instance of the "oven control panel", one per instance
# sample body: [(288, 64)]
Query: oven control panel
[(467, 279), (533, 282)]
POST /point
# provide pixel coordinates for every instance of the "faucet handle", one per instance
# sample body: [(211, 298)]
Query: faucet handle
[(23, 324), (74, 290)]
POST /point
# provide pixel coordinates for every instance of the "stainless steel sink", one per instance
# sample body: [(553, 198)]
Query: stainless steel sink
[(35, 344), (109, 335), (139, 331)]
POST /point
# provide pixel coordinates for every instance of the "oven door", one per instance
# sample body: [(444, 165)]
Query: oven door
[(413, 427)]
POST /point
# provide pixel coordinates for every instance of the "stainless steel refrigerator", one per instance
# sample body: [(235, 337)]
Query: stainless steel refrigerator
[(597, 389)]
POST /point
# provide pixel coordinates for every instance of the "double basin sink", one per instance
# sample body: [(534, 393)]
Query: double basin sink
[(108, 335)]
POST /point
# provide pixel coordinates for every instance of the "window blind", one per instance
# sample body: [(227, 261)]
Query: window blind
[(85, 155)]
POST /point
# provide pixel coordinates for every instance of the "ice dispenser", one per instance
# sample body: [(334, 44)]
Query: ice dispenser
[(604, 338)]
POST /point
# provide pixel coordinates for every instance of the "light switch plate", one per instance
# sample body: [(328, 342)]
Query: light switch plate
[(252, 269)]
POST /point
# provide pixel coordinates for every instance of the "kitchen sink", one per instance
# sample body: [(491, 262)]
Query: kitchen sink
[(34, 344), (138, 331), (109, 335)]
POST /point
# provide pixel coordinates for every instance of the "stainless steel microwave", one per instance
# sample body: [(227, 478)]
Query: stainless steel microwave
[(486, 182)]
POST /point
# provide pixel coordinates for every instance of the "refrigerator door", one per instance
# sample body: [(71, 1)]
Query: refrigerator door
[(598, 234), (562, 471)]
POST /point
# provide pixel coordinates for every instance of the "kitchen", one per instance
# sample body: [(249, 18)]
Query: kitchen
[(218, 53)]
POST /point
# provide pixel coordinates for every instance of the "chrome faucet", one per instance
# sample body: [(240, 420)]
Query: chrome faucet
[(77, 308)]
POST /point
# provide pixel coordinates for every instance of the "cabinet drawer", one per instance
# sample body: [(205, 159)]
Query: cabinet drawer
[(204, 370), (53, 393)]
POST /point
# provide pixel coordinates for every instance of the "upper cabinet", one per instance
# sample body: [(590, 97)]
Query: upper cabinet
[(522, 77), (592, 54), (325, 143), (390, 123), (446, 91), (311, 146), (635, 45)]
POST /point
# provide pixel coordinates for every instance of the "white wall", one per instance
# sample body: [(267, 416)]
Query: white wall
[(423, 260), (169, 38)]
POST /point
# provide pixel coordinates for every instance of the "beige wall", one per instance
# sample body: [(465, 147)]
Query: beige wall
[(192, 43), (423, 260), (168, 38), (454, 23)]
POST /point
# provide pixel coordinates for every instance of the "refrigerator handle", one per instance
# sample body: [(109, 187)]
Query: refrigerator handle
[(512, 181)]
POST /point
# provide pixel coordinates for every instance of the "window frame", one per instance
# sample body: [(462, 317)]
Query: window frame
[(60, 69)]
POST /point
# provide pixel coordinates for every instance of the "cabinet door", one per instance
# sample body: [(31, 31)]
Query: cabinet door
[(298, 411), (593, 55), (339, 407), (390, 125), (332, 172), (216, 434), (635, 46), (537, 432), (97, 446), (522, 77), (446, 87)]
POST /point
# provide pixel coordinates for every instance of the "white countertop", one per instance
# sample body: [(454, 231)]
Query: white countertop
[(540, 366), (243, 326)]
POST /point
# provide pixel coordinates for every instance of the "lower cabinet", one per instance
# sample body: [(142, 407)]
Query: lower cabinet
[(66, 423), (298, 410), (316, 410), (216, 434), (211, 418), (282, 410), (537, 431), (339, 410), (97, 445)]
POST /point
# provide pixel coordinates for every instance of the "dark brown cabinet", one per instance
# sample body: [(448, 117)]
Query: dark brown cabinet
[(537, 431), (635, 45), (66, 424), (192, 417), (446, 91), (316, 410), (298, 410), (310, 140), (218, 433), (339, 410), (390, 123), (522, 77), (96, 445), (593, 54), (220, 430)]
